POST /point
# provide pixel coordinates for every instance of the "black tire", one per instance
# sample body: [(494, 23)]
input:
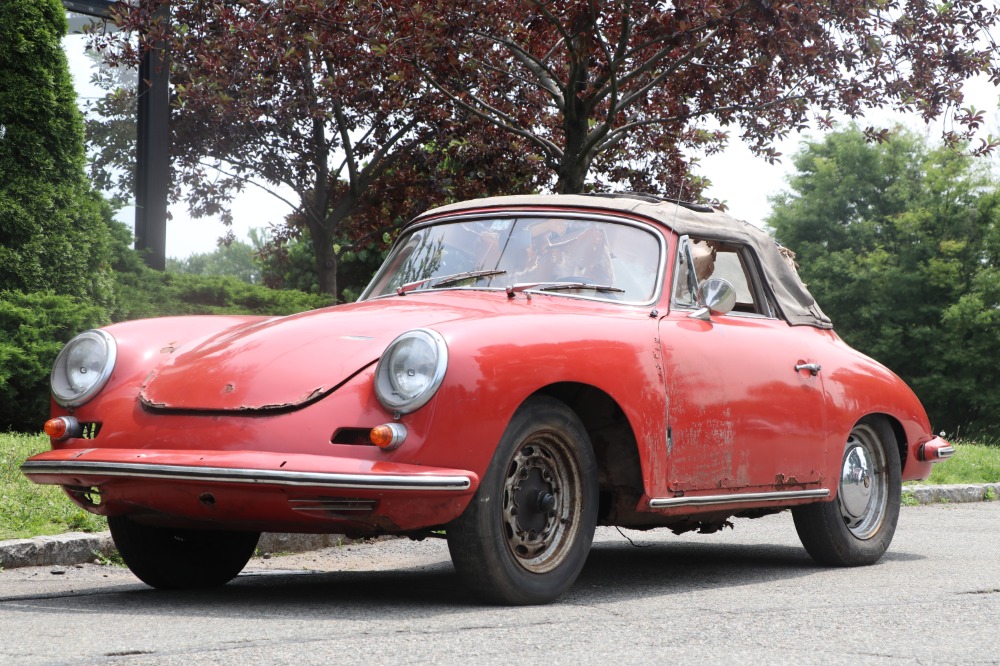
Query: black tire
[(177, 559), (526, 534), (856, 528)]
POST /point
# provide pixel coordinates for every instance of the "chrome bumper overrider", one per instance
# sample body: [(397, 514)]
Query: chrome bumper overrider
[(248, 476)]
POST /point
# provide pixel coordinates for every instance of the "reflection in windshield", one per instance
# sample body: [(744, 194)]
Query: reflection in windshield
[(533, 249)]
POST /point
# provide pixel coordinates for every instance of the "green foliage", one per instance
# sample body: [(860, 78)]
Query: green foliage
[(237, 259), (113, 560), (33, 328), (899, 244), (292, 265), (54, 227), (28, 509), (148, 293)]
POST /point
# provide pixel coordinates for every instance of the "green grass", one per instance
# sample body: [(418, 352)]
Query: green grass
[(972, 463), (28, 509)]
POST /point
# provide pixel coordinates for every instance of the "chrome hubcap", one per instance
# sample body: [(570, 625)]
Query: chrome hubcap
[(541, 502), (863, 483)]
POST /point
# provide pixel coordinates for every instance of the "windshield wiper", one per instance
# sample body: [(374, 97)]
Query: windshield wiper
[(447, 280), (561, 286)]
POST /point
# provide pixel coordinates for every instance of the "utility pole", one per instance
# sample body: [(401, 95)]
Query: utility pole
[(153, 139)]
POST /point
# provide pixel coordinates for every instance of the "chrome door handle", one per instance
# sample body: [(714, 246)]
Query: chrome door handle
[(813, 368)]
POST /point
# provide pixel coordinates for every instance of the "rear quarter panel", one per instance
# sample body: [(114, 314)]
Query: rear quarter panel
[(856, 386)]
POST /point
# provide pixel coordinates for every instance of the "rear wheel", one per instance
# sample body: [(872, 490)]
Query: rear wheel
[(173, 559), (526, 534), (856, 528)]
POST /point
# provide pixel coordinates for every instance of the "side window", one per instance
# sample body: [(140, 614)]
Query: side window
[(729, 266), (685, 281), (700, 259)]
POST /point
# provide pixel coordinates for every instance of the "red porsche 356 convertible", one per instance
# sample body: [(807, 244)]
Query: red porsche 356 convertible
[(520, 370)]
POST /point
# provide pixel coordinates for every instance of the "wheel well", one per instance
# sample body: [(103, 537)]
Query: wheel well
[(619, 469), (900, 433)]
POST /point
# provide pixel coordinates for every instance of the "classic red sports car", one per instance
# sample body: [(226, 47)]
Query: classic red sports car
[(520, 370)]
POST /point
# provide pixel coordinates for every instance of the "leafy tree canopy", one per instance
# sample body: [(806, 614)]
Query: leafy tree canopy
[(899, 242), (365, 110), (304, 96), (54, 231), (619, 89)]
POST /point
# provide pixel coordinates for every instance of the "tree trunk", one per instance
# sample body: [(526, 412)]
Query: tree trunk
[(322, 235), (573, 168), (572, 177), (326, 264)]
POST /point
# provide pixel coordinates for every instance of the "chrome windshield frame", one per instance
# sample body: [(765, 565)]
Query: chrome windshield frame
[(516, 215)]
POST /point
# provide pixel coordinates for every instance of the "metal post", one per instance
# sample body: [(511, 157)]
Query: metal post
[(152, 153), (152, 149)]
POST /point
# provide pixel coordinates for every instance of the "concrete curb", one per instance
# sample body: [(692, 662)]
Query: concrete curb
[(973, 492), (78, 547)]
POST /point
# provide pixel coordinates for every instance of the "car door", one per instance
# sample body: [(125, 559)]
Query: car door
[(741, 415)]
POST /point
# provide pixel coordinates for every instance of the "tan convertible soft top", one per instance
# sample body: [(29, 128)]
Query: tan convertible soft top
[(795, 302)]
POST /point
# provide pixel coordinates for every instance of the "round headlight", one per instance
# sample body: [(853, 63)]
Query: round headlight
[(411, 370), (83, 367)]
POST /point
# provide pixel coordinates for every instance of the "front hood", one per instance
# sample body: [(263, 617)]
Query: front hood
[(285, 363)]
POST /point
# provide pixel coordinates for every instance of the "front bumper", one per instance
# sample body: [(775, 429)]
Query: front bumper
[(257, 490)]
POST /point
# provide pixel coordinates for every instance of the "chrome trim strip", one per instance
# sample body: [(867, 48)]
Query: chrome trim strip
[(945, 452), (253, 476), (736, 498)]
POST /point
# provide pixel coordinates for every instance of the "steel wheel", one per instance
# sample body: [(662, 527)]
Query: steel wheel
[(864, 483), (857, 527), (541, 502), (525, 536)]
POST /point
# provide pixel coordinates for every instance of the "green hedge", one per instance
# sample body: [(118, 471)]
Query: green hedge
[(149, 293), (33, 328)]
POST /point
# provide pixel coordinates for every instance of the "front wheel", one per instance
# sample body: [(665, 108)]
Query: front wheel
[(856, 528), (175, 559), (526, 534)]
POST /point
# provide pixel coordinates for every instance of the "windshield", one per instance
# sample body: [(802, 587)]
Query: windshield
[(501, 252)]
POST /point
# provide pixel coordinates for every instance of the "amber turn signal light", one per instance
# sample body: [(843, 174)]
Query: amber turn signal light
[(388, 436), (62, 427)]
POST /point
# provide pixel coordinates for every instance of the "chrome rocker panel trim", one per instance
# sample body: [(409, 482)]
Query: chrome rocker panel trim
[(252, 476), (741, 498)]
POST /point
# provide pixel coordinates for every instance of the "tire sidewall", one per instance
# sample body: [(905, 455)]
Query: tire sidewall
[(506, 580), (871, 549), (821, 526)]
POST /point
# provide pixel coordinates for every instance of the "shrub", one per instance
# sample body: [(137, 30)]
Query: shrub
[(33, 328), (53, 225), (147, 293)]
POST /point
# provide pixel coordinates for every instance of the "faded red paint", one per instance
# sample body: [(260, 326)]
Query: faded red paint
[(712, 406)]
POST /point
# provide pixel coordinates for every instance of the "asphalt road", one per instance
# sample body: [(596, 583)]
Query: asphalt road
[(749, 595)]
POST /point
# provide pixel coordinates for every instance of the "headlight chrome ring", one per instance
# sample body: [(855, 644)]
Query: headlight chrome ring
[(411, 370), (83, 367)]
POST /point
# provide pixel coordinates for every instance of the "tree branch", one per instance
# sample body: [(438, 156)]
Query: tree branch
[(501, 119)]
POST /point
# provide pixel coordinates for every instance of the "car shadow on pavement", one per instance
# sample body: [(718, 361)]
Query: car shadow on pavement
[(614, 570)]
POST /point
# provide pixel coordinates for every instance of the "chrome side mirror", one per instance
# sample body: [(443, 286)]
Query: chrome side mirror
[(716, 297)]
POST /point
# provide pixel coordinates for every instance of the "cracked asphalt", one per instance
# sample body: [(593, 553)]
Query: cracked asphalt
[(746, 595)]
